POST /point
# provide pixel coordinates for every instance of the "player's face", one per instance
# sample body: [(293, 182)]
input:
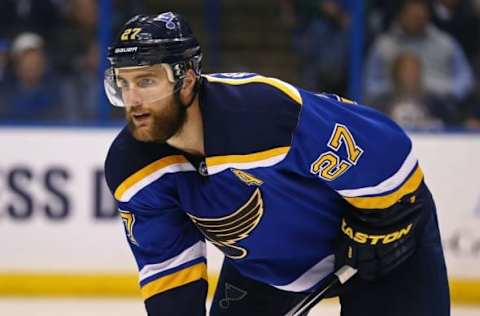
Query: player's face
[(414, 18), (153, 112)]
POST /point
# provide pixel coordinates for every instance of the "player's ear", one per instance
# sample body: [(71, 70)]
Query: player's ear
[(188, 81)]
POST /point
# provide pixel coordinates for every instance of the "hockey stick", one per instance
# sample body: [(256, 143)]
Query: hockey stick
[(341, 276)]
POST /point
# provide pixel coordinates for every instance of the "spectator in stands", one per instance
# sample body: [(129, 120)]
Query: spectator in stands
[(78, 30), (459, 19), (408, 103), (380, 14), (446, 72), (320, 37), (18, 16), (80, 92), (32, 93)]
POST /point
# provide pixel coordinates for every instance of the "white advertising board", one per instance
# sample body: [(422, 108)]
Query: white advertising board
[(56, 214), (451, 163)]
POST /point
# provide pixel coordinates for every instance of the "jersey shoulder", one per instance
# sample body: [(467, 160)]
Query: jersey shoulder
[(357, 151), (263, 86), (130, 161), (246, 113)]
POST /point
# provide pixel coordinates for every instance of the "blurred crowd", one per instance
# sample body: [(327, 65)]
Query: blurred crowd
[(421, 67), (49, 59), (422, 64)]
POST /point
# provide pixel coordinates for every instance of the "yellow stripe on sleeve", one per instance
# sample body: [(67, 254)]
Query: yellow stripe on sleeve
[(146, 171), (385, 201), (179, 278), (286, 88), (255, 157)]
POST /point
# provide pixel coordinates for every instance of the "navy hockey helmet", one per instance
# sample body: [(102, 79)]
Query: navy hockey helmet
[(149, 40)]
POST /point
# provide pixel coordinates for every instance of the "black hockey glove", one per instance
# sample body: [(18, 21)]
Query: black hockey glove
[(377, 241)]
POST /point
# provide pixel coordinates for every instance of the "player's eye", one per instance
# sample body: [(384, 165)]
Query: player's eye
[(122, 83), (146, 82)]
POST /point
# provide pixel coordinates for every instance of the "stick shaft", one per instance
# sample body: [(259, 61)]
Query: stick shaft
[(341, 276)]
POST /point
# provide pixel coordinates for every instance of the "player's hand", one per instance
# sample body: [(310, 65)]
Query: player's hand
[(375, 243)]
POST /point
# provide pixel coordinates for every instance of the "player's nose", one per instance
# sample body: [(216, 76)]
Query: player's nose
[(132, 98)]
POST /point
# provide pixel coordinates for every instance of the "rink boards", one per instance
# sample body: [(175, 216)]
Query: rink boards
[(61, 235)]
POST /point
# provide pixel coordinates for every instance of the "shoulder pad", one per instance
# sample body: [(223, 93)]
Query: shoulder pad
[(129, 161)]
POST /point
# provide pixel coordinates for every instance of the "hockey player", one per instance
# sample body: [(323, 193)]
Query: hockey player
[(287, 183)]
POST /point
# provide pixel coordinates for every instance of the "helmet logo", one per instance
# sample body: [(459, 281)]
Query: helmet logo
[(167, 18)]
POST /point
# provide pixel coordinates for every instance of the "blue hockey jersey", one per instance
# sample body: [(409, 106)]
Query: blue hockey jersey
[(282, 165)]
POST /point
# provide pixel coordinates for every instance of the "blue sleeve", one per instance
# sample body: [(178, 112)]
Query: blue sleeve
[(169, 251), (356, 151)]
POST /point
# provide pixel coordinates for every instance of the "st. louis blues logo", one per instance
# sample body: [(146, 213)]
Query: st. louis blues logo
[(167, 18), (225, 232)]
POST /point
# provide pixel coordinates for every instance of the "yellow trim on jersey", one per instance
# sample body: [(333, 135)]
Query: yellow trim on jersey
[(258, 156), (179, 278), (382, 202), (146, 171), (286, 88)]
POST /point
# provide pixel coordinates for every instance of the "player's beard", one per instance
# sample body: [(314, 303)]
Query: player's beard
[(162, 124)]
